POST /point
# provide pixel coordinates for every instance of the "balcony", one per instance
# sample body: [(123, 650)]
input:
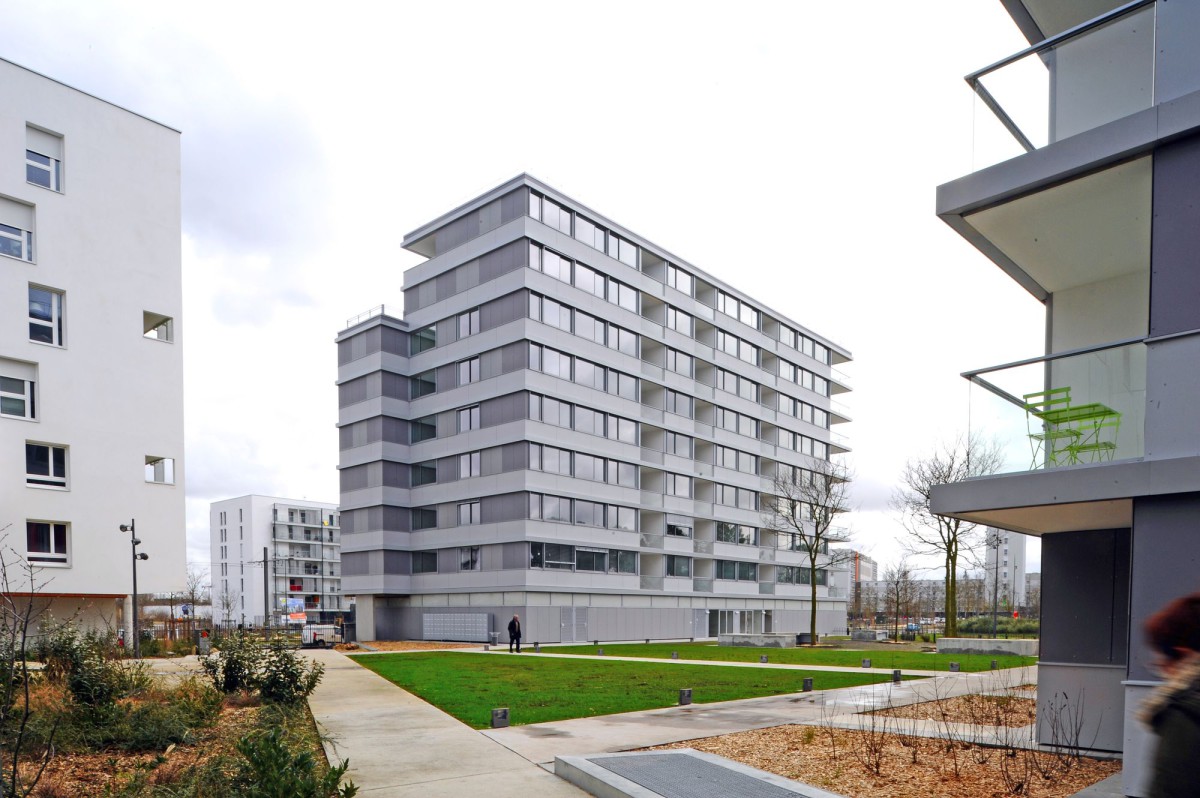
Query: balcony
[(1084, 77), (1068, 409)]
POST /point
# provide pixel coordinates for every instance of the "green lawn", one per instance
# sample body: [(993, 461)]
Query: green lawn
[(904, 660), (537, 689)]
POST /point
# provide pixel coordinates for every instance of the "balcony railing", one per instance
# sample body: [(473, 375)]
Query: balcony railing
[(1084, 77), (1071, 408)]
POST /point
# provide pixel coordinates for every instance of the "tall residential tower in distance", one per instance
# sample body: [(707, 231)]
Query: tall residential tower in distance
[(91, 359), (573, 425)]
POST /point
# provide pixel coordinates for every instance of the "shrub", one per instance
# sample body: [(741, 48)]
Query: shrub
[(236, 664), (284, 679), (270, 770)]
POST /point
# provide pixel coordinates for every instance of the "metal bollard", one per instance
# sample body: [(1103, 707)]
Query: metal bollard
[(537, 648), (895, 677), (674, 655), (685, 696), (807, 684), (866, 663), (599, 652), (954, 667), (500, 718), (763, 659), (995, 665)]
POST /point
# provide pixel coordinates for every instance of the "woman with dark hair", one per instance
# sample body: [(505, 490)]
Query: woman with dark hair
[(1173, 710)]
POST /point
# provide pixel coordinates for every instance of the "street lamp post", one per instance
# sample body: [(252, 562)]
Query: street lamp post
[(133, 544), (994, 544)]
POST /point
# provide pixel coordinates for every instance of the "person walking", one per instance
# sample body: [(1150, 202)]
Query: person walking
[(514, 634), (1173, 709)]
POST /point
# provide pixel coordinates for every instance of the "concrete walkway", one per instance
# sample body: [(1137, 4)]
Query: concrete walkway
[(401, 747)]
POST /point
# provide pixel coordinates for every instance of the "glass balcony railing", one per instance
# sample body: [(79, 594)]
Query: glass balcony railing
[(1067, 409), (1084, 77)]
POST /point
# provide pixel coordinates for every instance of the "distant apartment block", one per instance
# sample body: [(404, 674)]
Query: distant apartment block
[(1004, 568), (275, 561), (91, 347), (574, 425)]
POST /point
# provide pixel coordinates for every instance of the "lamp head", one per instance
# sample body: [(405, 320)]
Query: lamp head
[(143, 556), (126, 528), (136, 542)]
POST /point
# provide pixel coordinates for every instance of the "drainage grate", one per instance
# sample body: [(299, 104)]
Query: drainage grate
[(685, 776)]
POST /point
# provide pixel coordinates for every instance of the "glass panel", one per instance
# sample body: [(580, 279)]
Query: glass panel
[(1073, 410)]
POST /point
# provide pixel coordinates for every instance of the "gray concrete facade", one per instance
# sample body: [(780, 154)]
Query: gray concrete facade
[(1100, 224), (573, 425)]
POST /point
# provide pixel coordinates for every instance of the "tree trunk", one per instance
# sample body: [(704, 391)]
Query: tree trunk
[(951, 629), (812, 618)]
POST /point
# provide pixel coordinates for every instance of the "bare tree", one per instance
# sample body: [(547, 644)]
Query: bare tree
[(227, 604), (939, 534), (900, 592), (804, 507), (195, 593)]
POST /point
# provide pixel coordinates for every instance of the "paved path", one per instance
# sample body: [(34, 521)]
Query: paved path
[(541, 742), (401, 747)]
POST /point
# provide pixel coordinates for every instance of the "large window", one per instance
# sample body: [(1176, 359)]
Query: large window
[(422, 429), (468, 323), (679, 530), (422, 384), (741, 571), (45, 465), (469, 558), (564, 510), (679, 566), (45, 316), (424, 562), (468, 418), (423, 473), (469, 464), (591, 559), (424, 518), (46, 542), (423, 339), (157, 327), (737, 533), (468, 371), (468, 513)]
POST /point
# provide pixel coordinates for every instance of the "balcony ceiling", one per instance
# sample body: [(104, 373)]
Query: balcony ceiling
[(1079, 232), (1052, 518), (1041, 19)]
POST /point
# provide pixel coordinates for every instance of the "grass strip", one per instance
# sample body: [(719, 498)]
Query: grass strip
[(538, 690), (904, 660)]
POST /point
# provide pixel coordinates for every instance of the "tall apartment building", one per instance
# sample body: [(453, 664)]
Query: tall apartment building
[(1103, 430), (1004, 568), (573, 425), (275, 561), (91, 358), (859, 569)]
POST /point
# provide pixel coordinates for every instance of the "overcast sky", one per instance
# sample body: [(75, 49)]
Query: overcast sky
[(791, 149)]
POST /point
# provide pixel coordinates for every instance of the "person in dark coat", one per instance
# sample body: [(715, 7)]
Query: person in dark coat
[(514, 634), (1173, 710)]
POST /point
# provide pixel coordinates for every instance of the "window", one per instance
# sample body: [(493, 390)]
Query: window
[(422, 429), (468, 513), (679, 566), (468, 558), (679, 279), (45, 316), (622, 518), (678, 485), (423, 339), (559, 556), (468, 323), (591, 560), (556, 266), (679, 444), (678, 403), (424, 518), (16, 394), (45, 465), (422, 384), (43, 158), (157, 327), (46, 542), (679, 363), (679, 321), (468, 371), (589, 233), (679, 530), (160, 470), (469, 465), (423, 473), (737, 533), (16, 230), (622, 562), (424, 562), (589, 280), (468, 418)]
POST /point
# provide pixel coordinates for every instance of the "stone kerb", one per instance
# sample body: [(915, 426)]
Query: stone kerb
[(971, 645)]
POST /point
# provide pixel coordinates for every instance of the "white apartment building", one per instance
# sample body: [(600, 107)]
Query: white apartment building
[(574, 425), (280, 554), (1004, 568), (91, 348)]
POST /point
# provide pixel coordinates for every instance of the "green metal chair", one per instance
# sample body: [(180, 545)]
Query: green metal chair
[(1051, 431)]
